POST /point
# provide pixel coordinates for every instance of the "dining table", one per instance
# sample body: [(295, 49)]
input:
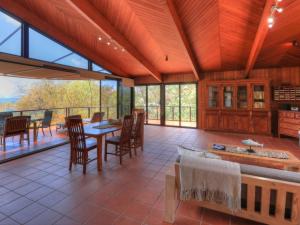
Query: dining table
[(98, 130)]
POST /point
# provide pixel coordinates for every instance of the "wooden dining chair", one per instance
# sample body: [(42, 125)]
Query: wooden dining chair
[(79, 149), (16, 126), (137, 138), (97, 117), (122, 142)]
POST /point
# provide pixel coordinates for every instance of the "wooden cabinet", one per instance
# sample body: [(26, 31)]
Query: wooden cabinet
[(238, 106), (289, 123), (212, 120)]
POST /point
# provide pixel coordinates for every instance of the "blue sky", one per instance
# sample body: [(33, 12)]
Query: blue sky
[(11, 86)]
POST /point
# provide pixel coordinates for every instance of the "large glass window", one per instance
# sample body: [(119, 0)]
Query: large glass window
[(43, 48), (140, 97), (125, 101), (97, 68), (109, 98), (10, 35)]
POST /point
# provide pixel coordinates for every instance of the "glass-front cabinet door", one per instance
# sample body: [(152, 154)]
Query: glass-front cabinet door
[(213, 97), (259, 96), (228, 95), (242, 97)]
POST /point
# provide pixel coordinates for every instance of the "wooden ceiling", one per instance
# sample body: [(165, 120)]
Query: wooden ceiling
[(170, 36)]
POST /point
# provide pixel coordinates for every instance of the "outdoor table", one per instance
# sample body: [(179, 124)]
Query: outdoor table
[(35, 128), (94, 130)]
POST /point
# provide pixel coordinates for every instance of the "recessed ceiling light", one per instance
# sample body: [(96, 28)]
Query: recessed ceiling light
[(99, 38), (115, 48), (270, 19), (108, 43), (123, 50), (280, 10)]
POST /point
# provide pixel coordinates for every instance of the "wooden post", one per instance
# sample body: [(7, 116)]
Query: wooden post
[(170, 197)]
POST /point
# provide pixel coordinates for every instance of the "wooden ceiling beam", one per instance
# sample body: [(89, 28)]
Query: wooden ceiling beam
[(16, 8), (260, 36), (88, 11), (184, 39)]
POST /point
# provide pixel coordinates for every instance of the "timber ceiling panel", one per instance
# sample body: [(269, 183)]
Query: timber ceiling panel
[(220, 32), (201, 21), (156, 18)]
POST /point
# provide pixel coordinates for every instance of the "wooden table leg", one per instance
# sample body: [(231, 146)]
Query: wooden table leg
[(34, 132), (99, 153)]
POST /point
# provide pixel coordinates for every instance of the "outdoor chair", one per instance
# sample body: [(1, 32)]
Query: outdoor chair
[(137, 138), (122, 142), (3, 116), (15, 126), (79, 149), (46, 122), (97, 117)]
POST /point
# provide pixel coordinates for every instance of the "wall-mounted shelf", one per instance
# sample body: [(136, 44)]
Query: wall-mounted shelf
[(287, 93)]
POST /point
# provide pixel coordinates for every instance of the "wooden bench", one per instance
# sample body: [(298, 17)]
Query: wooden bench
[(258, 206)]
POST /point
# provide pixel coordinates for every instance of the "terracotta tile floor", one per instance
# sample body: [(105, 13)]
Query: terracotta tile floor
[(14, 149), (40, 190)]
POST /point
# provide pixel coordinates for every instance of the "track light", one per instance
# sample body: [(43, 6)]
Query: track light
[(275, 8)]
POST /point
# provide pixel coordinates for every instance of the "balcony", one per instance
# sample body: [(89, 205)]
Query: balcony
[(44, 142), (186, 117)]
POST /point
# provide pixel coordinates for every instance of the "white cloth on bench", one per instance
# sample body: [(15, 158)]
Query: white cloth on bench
[(212, 180)]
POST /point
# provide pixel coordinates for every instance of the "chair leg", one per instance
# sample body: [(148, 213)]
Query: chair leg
[(50, 130), (84, 162), (4, 143), (121, 155), (130, 154), (28, 138), (70, 163), (105, 152), (43, 131), (84, 168)]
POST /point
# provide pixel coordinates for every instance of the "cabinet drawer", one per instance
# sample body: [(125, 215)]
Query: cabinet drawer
[(297, 115), (289, 120), (290, 126), (289, 115), (289, 132)]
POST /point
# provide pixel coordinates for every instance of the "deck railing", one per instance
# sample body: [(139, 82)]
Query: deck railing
[(188, 113), (59, 114)]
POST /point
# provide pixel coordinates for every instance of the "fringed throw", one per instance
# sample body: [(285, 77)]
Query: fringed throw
[(211, 180)]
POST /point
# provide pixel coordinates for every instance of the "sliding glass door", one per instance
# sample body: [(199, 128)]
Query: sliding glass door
[(188, 105), (172, 103), (181, 105), (153, 104), (177, 108), (148, 98)]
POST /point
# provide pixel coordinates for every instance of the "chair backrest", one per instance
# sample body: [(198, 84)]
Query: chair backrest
[(97, 117), (139, 126), (47, 118), (126, 131), (16, 125), (77, 139), (73, 117), (136, 111)]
